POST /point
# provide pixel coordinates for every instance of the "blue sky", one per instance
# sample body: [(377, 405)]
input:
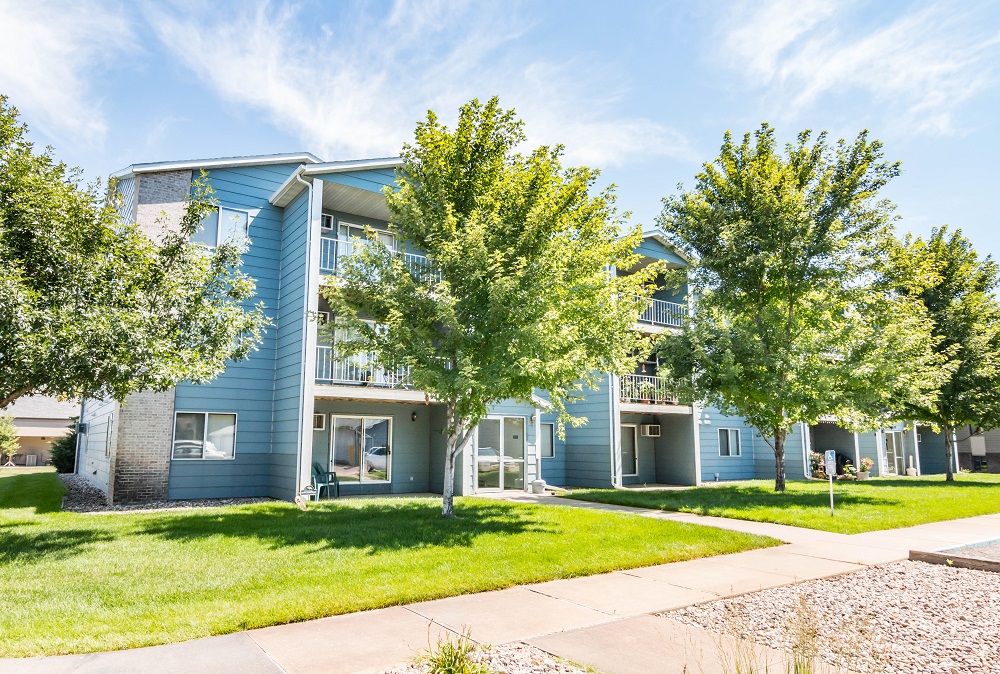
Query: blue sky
[(643, 91)]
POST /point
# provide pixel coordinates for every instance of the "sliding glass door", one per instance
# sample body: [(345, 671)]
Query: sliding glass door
[(361, 448), (500, 454)]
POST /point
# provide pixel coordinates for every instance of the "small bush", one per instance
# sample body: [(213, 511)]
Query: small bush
[(63, 455), (452, 657)]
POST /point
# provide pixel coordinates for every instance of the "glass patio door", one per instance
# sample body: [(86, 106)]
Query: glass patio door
[(500, 454), (894, 454)]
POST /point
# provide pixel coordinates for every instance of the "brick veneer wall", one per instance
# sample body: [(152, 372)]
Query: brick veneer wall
[(141, 454), (142, 451)]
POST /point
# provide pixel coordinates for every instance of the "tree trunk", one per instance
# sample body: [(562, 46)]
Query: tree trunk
[(447, 506), (459, 436), (949, 475), (779, 460)]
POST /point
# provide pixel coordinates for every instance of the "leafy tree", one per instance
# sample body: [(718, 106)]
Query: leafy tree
[(63, 452), (9, 443), (796, 315), (957, 288), (518, 296), (89, 305)]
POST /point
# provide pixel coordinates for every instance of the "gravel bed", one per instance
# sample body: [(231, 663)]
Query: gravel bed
[(83, 497), (515, 658), (900, 617), (991, 552)]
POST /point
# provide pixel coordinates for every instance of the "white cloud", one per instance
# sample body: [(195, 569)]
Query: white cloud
[(919, 67), (356, 88), (49, 56)]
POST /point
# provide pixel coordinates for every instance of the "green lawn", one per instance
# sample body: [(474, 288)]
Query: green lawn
[(860, 506), (75, 583)]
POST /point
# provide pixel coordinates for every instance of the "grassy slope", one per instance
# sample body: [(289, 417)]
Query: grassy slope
[(859, 506), (78, 583)]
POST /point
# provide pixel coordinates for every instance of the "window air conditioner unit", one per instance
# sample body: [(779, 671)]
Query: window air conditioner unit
[(649, 430), (81, 428), (326, 223)]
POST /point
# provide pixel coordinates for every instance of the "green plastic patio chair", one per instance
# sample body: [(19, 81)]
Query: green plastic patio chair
[(325, 479)]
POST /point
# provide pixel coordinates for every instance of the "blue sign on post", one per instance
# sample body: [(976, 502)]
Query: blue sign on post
[(831, 470)]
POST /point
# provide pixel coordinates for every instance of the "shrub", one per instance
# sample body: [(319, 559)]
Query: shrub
[(452, 657), (63, 455)]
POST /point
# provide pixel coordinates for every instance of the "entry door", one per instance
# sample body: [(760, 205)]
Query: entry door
[(500, 454), (894, 454), (630, 458)]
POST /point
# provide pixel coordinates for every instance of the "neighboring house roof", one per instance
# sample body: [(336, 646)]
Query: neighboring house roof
[(218, 162), (290, 189), (42, 407)]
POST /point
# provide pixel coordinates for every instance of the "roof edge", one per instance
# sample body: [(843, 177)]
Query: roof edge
[(218, 162), (353, 165)]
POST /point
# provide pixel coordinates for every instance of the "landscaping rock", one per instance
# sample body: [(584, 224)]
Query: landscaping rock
[(83, 497), (901, 617)]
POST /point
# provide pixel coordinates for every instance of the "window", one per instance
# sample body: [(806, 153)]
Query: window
[(729, 442), (326, 222), (220, 225), (204, 435), (347, 231), (547, 441), (360, 448), (319, 422)]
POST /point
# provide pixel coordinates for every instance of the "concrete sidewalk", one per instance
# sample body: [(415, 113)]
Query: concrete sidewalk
[(603, 621)]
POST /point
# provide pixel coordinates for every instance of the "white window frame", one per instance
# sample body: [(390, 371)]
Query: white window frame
[(388, 458), (322, 422), (635, 436), (322, 317), (551, 428), (327, 222), (204, 439), (364, 228), (739, 443), (218, 223)]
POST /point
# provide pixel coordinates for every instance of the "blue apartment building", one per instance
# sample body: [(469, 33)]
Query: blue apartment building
[(259, 428)]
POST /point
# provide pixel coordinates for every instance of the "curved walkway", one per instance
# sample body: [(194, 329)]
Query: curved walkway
[(604, 621)]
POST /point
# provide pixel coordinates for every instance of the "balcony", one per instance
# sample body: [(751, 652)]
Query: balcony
[(664, 314), (357, 371), (332, 253), (641, 389)]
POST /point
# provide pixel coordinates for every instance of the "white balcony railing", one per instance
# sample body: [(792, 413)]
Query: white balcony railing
[(651, 390), (333, 251), (357, 370), (662, 313)]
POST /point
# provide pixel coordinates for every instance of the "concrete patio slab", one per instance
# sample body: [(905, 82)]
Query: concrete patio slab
[(648, 644), (716, 578), (230, 653), (622, 594), (357, 642), (508, 615)]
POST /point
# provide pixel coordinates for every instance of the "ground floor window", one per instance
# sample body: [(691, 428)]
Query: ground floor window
[(729, 442), (204, 435), (360, 448), (547, 441)]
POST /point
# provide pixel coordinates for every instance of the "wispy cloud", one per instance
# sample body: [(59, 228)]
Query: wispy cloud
[(919, 66), (50, 54), (356, 87)]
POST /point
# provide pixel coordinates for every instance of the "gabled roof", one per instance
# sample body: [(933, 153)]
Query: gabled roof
[(42, 407), (658, 235), (219, 162), (291, 187)]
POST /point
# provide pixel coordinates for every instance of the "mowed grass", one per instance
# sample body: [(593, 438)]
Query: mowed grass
[(873, 505), (76, 583)]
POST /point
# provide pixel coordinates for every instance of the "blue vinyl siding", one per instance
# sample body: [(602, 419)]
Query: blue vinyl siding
[(554, 468), (372, 180), (674, 450), (245, 388), (932, 452), (588, 447), (657, 251), (728, 467)]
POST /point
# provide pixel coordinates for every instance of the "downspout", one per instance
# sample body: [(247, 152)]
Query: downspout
[(954, 451), (805, 456), (916, 448), (614, 414), (857, 452), (300, 436), (880, 451)]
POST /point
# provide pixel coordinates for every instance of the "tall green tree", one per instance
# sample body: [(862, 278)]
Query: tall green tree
[(519, 294), (796, 311), (89, 305), (8, 439), (958, 290)]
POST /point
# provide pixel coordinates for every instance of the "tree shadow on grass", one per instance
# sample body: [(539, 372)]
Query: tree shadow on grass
[(374, 526), (28, 542)]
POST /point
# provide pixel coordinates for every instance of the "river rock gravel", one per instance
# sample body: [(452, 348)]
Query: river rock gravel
[(513, 658), (896, 618), (83, 497)]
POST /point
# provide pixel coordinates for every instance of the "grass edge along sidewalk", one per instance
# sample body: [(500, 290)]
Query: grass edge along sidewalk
[(872, 505), (78, 583)]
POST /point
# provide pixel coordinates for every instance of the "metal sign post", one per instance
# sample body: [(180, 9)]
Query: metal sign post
[(831, 470)]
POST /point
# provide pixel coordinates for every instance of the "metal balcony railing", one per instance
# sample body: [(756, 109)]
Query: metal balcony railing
[(357, 370), (651, 390), (663, 313), (332, 252)]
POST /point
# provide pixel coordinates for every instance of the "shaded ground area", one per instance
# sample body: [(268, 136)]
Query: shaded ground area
[(91, 582), (860, 506), (901, 617)]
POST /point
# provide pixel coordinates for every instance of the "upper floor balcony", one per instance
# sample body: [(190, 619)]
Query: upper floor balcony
[(646, 390), (357, 371), (661, 313), (333, 252)]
